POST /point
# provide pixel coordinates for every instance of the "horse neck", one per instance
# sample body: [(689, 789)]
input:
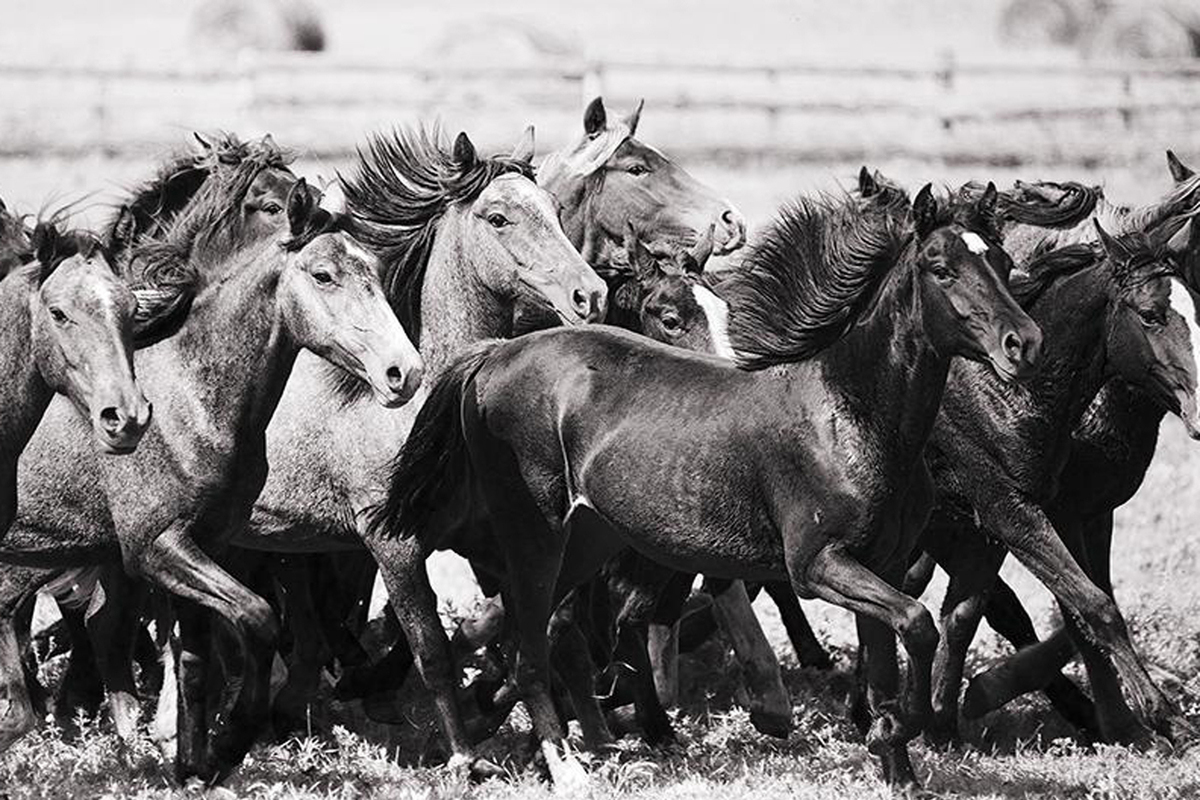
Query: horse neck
[(457, 307), (885, 372), (1072, 314), (236, 349), (25, 393)]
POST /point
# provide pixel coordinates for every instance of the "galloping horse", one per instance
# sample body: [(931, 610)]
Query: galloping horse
[(1110, 452), (844, 324), (996, 453), (67, 329), (233, 322), (249, 182)]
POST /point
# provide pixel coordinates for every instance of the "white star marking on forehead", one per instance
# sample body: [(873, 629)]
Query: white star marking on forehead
[(975, 243)]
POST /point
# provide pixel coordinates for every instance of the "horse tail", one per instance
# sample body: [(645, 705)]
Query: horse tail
[(73, 588), (434, 458)]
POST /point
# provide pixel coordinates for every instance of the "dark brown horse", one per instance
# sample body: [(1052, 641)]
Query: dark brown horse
[(608, 179), (797, 464), (997, 453)]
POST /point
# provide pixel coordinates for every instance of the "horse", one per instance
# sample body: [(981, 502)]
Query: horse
[(255, 176), (793, 462), (231, 325), (1111, 449), (251, 181), (996, 453), (608, 178), (68, 329), (1133, 421)]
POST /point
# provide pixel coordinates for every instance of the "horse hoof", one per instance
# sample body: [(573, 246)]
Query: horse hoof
[(569, 777), (772, 723)]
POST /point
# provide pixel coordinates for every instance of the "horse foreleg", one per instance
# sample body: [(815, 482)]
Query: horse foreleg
[(1033, 540), (837, 578), (16, 710), (972, 562), (114, 619), (176, 563)]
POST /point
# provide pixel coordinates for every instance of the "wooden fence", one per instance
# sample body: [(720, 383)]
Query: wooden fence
[(991, 113)]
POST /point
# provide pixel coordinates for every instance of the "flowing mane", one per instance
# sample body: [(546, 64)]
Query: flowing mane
[(1183, 197), (15, 243), (403, 183), (1048, 268), (207, 187), (809, 278), (1026, 204)]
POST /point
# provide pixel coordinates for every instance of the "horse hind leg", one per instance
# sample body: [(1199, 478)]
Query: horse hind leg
[(576, 670), (809, 650), (770, 704)]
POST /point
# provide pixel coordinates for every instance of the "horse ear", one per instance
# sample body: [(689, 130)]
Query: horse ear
[(1180, 242), (986, 205), (464, 152), (867, 186), (46, 239), (523, 152), (925, 211), (1180, 172), (124, 226), (205, 145), (1112, 245), (300, 205), (595, 120), (632, 120), (641, 261)]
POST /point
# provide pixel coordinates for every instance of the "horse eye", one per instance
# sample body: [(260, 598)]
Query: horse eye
[(272, 208), (57, 314), (638, 169), (1151, 318), (671, 322), (323, 278), (497, 220)]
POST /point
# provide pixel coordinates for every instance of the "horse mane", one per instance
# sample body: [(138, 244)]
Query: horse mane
[(16, 248), (809, 278), (181, 177), (208, 230), (1016, 205), (403, 183), (1049, 267), (1182, 197)]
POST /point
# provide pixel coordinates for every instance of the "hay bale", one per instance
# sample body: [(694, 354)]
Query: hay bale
[(1141, 31), (1035, 23), (266, 25)]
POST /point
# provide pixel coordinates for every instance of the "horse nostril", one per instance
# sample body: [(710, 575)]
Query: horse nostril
[(1013, 347), (111, 419), (395, 378), (581, 302), (728, 217)]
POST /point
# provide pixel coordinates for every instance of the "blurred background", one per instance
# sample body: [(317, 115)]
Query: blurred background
[(764, 98)]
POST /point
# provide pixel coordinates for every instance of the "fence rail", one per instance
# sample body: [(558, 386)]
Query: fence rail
[(943, 109)]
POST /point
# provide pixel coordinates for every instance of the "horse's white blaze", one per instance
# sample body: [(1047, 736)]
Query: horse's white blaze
[(1182, 302), (975, 243), (716, 311)]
